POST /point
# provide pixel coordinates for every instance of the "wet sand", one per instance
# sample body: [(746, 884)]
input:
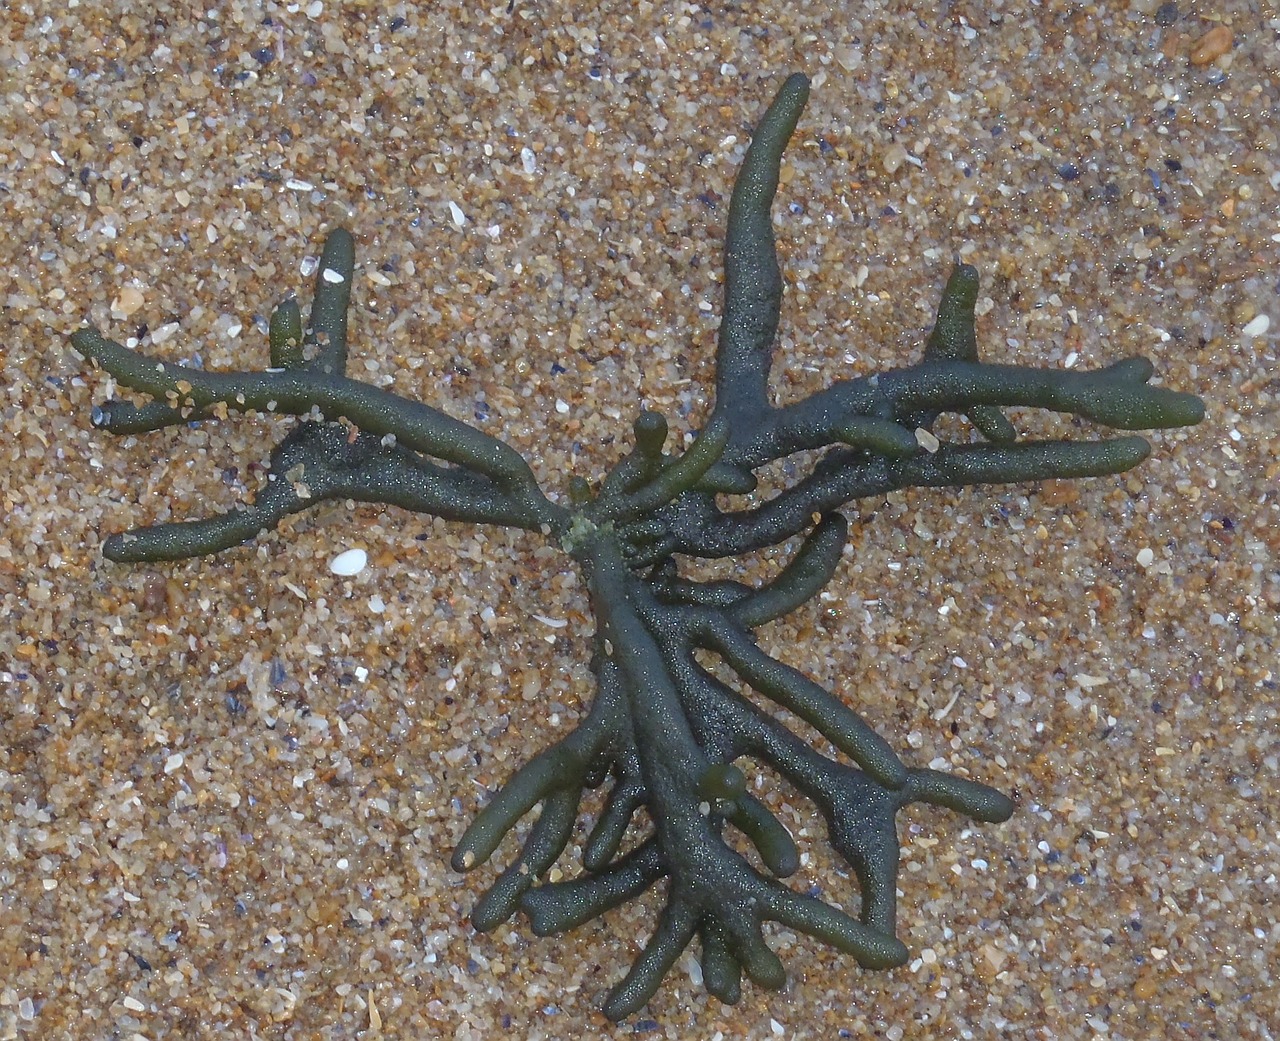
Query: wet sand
[(229, 787)]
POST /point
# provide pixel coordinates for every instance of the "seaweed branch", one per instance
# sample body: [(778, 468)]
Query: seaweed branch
[(667, 731)]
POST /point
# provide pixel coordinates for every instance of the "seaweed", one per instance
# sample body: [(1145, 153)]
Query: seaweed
[(684, 692)]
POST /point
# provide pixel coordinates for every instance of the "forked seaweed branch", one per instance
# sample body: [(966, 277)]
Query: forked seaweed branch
[(684, 693)]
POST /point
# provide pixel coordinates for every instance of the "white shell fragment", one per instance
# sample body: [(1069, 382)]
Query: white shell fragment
[(164, 332), (332, 277), (1258, 327), (927, 441), (349, 563)]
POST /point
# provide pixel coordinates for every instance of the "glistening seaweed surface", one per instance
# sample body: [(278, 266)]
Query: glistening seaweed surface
[(683, 690)]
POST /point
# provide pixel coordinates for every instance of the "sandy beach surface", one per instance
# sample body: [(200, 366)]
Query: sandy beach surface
[(229, 787)]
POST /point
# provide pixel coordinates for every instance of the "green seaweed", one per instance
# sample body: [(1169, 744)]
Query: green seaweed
[(665, 729)]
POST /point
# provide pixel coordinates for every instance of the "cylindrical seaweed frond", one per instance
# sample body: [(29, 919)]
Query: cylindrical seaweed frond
[(752, 279)]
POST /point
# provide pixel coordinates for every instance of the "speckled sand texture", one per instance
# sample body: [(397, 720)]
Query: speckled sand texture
[(229, 787)]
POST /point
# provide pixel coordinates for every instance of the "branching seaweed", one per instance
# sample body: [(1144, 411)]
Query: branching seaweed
[(667, 729)]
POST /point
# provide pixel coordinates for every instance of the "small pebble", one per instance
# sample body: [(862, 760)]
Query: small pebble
[(1213, 44), (129, 300), (895, 155)]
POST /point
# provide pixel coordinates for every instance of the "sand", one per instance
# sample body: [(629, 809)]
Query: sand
[(229, 787)]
